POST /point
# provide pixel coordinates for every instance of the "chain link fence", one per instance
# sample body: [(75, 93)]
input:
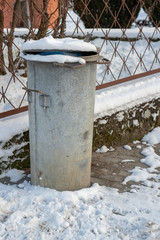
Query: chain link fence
[(126, 32)]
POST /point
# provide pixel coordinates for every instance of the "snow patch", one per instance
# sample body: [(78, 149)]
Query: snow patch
[(103, 149), (138, 146), (114, 99), (127, 147), (128, 160), (11, 126), (14, 174), (152, 137), (135, 123)]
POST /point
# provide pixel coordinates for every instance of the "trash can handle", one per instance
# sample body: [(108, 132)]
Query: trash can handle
[(103, 61), (33, 90), (78, 65)]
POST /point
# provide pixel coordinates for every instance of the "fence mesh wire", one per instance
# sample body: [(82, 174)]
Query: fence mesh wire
[(128, 35)]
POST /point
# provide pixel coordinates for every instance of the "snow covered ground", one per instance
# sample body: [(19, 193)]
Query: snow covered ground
[(32, 212)]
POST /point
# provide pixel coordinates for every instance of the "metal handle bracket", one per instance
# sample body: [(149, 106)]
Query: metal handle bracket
[(33, 90)]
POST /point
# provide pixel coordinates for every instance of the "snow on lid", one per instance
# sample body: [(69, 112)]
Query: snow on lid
[(50, 43), (61, 59)]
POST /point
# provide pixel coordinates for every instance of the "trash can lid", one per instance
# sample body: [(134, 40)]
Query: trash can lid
[(62, 50)]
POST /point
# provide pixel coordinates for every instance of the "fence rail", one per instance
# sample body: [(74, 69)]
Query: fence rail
[(127, 33)]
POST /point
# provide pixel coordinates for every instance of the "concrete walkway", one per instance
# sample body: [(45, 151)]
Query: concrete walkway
[(109, 168)]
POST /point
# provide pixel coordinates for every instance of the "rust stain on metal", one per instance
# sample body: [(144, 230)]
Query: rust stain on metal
[(40, 174)]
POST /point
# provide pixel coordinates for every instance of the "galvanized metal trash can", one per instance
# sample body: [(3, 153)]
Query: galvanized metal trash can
[(61, 109)]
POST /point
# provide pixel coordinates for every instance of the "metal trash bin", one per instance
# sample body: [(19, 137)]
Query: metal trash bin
[(61, 109)]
